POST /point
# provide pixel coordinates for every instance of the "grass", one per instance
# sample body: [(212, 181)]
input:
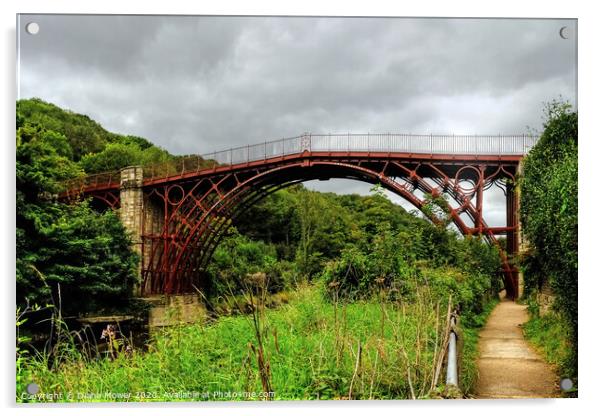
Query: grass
[(550, 335), (311, 349)]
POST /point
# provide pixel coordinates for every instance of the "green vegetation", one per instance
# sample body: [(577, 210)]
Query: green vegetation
[(67, 251), (551, 334), (549, 217), (370, 285), (313, 349), (118, 155), (85, 136)]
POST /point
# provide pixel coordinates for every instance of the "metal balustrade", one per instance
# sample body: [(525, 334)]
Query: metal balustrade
[(332, 143), (389, 143)]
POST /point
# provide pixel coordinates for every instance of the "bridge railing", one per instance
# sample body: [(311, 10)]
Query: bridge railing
[(388, 142), (104, 179)]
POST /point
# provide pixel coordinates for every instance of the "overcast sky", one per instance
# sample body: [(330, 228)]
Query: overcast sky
[(199, 84)]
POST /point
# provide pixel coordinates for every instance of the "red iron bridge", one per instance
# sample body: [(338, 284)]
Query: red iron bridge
[(177, 212)]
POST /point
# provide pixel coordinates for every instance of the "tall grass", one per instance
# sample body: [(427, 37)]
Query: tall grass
[(550, 333), (315, 349)]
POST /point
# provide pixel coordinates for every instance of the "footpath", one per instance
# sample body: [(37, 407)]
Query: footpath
[(508, 365)]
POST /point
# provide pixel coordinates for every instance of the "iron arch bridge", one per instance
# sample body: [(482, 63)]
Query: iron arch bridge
[(178, 212)]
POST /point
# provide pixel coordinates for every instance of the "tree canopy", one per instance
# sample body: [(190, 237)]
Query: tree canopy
[(92, 147)]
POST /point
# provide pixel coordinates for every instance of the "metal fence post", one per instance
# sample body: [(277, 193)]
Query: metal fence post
[(452, 356)]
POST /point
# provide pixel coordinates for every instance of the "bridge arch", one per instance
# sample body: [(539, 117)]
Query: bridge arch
[(202, 215)]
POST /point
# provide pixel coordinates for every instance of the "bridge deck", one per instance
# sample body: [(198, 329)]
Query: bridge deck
[(452, 149)]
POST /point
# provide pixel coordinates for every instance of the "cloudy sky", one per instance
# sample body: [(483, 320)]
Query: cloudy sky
[(199, 84)]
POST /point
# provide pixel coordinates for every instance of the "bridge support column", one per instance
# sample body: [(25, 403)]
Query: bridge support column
[(520, 243), (132, 209), (513, 238)]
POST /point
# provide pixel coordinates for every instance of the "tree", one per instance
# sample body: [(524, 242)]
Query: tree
[(324, 228), (549, 210), (114, 156), (90, 144), (83, 134), (278, 222), (309, 216), (88, 254)]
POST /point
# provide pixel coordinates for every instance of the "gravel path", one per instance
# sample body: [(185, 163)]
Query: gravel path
[(508, 366)]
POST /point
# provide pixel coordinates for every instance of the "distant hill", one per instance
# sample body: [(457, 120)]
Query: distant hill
[(93, 147)]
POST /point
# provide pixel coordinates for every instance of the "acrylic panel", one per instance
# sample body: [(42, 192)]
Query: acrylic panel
[(226, 208)]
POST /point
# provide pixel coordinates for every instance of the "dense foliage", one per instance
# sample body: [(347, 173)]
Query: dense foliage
[(353, 246), (91, 146), (549, 212), (84, 254)]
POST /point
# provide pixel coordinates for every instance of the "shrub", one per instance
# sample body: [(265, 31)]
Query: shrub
[(237, 257)]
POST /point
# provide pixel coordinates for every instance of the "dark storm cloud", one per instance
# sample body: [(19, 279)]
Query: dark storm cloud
[(198, 84)]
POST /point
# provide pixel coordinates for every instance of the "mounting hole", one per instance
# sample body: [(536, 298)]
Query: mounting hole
[(32, 28), (564, 32), (32, 388), (566, 384)]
